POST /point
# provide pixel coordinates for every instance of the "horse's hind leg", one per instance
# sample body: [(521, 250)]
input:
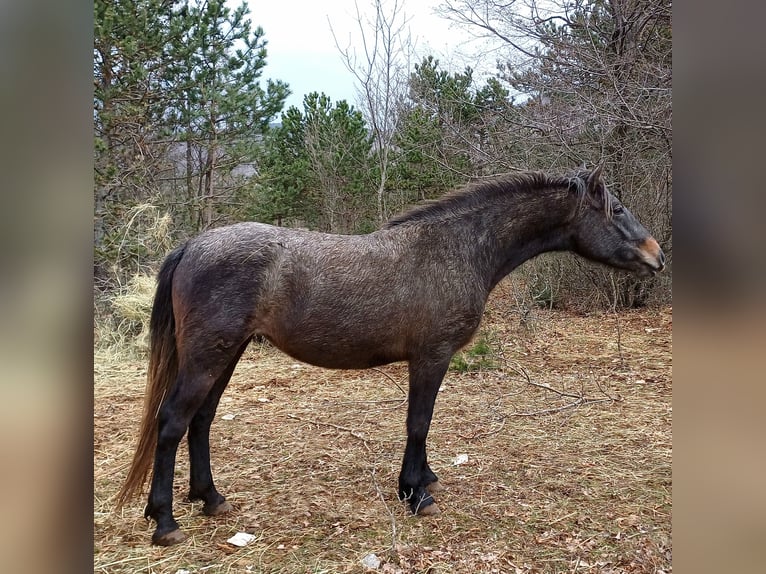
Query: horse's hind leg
[(416, 476), (201, 485), (194, 383)]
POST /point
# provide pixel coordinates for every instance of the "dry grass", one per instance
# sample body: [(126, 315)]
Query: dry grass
[(310, 460), (123, 330)]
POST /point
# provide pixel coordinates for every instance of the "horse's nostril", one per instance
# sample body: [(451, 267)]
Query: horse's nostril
[(662, 259)]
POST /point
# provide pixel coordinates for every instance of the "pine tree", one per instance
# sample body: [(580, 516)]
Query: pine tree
[(317, 169), (178, 105), (221, 111)]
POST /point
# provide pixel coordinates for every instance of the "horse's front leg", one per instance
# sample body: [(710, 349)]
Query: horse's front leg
[(416, 477)]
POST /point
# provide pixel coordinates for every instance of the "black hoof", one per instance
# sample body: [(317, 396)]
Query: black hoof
[(169, 538), (419, 500), (211, 508), (217, 509), (434, 487), (430, 510)]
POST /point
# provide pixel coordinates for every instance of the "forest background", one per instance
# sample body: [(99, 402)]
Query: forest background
[(190, 134)]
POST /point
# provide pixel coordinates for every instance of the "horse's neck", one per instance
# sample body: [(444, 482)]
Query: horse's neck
[(524, 233)]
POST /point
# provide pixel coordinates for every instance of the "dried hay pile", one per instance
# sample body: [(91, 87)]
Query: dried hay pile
[(122, 324)]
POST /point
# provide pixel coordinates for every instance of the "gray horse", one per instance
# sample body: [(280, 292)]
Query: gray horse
[(412, 291)]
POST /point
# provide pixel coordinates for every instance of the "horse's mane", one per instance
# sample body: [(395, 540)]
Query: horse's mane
[(479, 193)]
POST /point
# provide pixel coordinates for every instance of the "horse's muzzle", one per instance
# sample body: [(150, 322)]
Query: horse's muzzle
[(652, 255)]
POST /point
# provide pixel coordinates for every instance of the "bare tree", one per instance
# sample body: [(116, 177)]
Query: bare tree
[(381, 66), (596, 78)]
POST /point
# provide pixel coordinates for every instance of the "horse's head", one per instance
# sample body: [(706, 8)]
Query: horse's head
[(605, 231)]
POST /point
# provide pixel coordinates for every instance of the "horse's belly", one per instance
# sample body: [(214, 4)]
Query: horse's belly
[(336, 344), (345, 331), (338, 354)]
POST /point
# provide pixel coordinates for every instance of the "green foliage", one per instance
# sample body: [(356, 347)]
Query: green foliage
[(215, 73), (128, 54), (317, 169), (285, 181), (441, 105), (419, 170), (452, 129), (178, 104), (480, 356)]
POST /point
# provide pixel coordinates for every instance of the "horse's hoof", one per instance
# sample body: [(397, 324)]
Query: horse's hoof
[(217, 510), (434, 487), (430, 510), (168, 539)]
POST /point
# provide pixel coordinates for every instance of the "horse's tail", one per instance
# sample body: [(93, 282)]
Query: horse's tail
[(163, 368)]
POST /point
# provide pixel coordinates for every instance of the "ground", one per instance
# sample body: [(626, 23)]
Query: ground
[(566, 425)]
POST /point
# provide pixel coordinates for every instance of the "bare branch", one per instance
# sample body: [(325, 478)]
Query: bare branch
[(381, 73)]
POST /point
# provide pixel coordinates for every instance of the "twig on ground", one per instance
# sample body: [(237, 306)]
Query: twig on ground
[(399, 403), (388, 510), (479, 435), (617, 319), (580, 399), (577, 403), (390, 378), (352, 432)]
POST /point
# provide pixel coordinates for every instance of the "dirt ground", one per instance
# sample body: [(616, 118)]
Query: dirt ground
[(565, 427)]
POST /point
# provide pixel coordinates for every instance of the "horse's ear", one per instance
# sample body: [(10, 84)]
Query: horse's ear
[(593, 190), (594, 179)]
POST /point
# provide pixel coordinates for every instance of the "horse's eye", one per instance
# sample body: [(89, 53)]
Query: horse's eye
[(617, 209)]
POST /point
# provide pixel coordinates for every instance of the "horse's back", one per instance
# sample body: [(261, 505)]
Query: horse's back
[(345, 301)]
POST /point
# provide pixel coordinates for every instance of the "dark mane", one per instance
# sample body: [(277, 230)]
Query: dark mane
[(477, 194)]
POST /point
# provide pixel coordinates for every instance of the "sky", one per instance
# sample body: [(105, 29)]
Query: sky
[(302, 51)]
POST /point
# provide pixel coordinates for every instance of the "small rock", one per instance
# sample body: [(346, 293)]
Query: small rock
[(241, 539), (371, 561), (228, 417), (460, 459)]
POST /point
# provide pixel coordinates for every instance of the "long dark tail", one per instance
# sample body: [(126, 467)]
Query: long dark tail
[(163, 368)]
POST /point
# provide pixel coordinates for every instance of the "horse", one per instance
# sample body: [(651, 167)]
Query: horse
[(413, 290)]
